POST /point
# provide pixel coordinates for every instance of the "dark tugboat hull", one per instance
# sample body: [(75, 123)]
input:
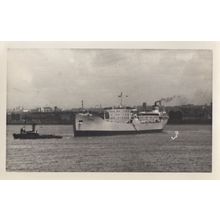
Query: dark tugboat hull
[(35, 136)]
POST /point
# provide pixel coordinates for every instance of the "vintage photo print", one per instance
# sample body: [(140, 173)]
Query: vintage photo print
[(109, 110)]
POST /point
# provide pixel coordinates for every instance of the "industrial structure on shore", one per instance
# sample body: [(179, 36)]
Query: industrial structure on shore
[(183, 114)]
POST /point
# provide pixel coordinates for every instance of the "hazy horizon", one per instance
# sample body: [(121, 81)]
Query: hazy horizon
[(64, 77)]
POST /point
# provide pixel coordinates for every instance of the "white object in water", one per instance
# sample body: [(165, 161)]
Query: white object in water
[(176, 135)]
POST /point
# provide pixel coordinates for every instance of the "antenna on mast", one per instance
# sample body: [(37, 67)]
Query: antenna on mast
[(82, 104), (121, 98)]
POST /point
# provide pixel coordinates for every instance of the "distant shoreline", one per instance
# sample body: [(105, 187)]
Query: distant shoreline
[(171, 123)]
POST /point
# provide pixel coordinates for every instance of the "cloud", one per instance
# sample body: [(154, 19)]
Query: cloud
[(64, 77)]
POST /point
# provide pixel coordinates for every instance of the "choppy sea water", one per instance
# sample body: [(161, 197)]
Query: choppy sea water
[(191, 151)]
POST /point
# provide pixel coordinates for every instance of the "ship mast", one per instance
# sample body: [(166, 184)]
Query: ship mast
[(82, 105), (121, 99)]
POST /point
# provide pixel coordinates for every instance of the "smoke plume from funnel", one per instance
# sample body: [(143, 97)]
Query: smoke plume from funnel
[(174, 100)]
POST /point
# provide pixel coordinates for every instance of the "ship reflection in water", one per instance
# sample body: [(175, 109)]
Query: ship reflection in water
[(156, 152)]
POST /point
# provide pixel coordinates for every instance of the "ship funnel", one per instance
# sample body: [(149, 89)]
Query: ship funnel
[(157, 103)]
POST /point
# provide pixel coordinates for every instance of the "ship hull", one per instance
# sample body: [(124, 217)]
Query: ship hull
[(85, 125), (81, 133), (35, 136)]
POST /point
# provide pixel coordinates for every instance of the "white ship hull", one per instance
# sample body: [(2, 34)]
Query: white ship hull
[(92, 125)]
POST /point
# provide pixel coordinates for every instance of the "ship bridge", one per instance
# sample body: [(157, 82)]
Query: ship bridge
[(118, 114)]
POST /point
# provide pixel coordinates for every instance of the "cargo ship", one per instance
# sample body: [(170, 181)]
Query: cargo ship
[(120, 120)]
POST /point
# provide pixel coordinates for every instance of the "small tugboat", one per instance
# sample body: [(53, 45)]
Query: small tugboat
[(33, 134)]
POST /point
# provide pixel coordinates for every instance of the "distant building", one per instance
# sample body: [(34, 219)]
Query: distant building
[(56, 109), (47, 109), (36, 110), (144, 105), (18, 109), (25, 110), (190, 114)]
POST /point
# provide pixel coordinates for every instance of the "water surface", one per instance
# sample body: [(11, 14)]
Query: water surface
[(153, 152)]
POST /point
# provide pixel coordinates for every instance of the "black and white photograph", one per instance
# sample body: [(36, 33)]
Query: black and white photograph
[(109, 110)]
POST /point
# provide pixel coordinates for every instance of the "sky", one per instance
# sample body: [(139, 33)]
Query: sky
[(64, 77)]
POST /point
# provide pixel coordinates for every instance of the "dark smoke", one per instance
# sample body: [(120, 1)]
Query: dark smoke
[(175, 100), (200, 97), (168, 99)]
